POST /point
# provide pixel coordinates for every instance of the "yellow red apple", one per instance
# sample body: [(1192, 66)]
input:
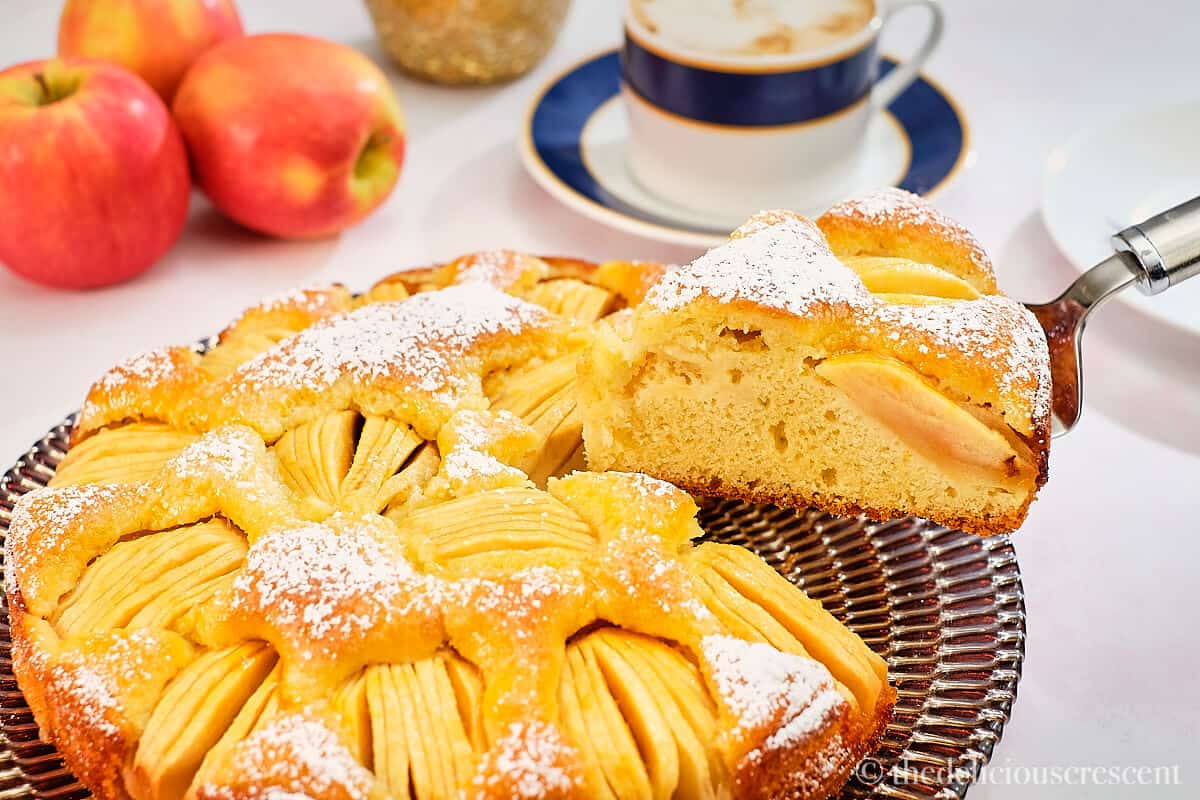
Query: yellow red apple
[(157, 39), (291, 135), (94, 182)]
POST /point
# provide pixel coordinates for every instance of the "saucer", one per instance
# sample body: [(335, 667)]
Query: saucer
[(576, 132), (1106, 178)]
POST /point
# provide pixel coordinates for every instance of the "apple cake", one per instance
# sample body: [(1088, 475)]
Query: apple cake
[(344, 554), (866, 363)]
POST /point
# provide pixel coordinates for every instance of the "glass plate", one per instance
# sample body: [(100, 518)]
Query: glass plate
[(945, 608)]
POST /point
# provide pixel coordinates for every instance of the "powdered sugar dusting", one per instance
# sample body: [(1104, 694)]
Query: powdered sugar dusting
[(530, 761), (465, 464), (322, 586), (896, 207), (637, 567), (786, 265), (421, 340), (498, 268), (92, 693), (91, 686), (520, 605), (228, 453), (299, 756), (765, 688), (649, 487), (779, 260), (232, 459), (138, 373), (53, 513), (469, 460), (147, 368), (993, 328), (315, 300)]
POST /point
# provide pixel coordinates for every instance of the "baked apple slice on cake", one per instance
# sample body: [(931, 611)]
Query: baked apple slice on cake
[(862, 363)]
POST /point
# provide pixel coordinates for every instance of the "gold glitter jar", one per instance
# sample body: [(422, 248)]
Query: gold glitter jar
[(467, 41)]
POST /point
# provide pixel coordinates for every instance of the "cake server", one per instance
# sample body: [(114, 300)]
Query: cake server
[(1153, 255)]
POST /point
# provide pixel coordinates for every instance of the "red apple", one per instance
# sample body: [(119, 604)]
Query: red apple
[(94, 179), (157, 39), (290, 135)]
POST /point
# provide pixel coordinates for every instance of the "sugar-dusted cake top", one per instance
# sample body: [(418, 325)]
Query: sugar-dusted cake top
[(990, 348), (891, 221), (421, 341), (325, 531), (776, 260)]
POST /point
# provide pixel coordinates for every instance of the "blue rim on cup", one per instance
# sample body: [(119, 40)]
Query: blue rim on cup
[(730, 134), (772, 95), (555, 144)]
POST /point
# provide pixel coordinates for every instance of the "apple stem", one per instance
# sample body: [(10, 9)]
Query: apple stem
[(41, 79)]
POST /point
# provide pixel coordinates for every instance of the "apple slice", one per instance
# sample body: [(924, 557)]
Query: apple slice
[(920, 416), (909, 299), (901, 276)]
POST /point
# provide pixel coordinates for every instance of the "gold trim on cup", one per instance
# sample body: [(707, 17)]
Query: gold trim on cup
[(569, 196), (687, 60)]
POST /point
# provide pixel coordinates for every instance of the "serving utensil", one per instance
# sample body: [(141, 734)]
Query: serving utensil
[(1154, 255)]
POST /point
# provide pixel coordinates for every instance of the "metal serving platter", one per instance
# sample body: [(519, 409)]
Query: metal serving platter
[(945, 608)]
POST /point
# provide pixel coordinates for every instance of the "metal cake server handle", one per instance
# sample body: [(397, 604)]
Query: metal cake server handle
[(1155, 255)]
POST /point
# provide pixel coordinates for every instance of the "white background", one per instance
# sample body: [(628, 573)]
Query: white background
[(1109, 552)]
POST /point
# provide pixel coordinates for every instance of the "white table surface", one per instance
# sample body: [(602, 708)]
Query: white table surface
[(1109, 551)]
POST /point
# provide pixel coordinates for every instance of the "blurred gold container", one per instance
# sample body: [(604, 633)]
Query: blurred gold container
[(467, 41)]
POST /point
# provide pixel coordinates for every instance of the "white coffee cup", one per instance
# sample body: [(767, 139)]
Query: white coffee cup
[(726, 134)]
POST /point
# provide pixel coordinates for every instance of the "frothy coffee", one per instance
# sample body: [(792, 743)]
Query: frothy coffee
[(754, 27)]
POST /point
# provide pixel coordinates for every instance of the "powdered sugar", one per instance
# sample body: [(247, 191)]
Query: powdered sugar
[(780, 261), (147, 368), (300, 756), (993, 328), (144, 370), (638, 569), (232, 462), (91, 684), (310, 299), (519, 605), (469, 460), (420, 340), (52, 514), (92, 693), (649, 487), (498, 268), (765, 688), (529, 761), (314, 301), (786, 266), (226, 453), (465, 464), (323, 585), (898, 208)]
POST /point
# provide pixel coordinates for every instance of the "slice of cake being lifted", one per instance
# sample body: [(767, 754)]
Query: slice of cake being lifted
[(866, 363)]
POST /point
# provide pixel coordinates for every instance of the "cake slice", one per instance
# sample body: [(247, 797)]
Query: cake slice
[(862, 364)]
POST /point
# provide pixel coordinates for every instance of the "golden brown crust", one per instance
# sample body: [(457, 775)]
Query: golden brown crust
[(988, 351), (787, 774), (148, 386), (317, 594), (918, 352), (985, 525), (505, 269), (893, 222), (92, 698), (292, 311), (297, 754)]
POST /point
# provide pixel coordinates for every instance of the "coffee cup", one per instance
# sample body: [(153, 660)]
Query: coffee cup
[(739, 105)]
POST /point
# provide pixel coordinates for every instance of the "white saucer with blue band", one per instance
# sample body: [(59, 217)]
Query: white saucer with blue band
[(576, 146)]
